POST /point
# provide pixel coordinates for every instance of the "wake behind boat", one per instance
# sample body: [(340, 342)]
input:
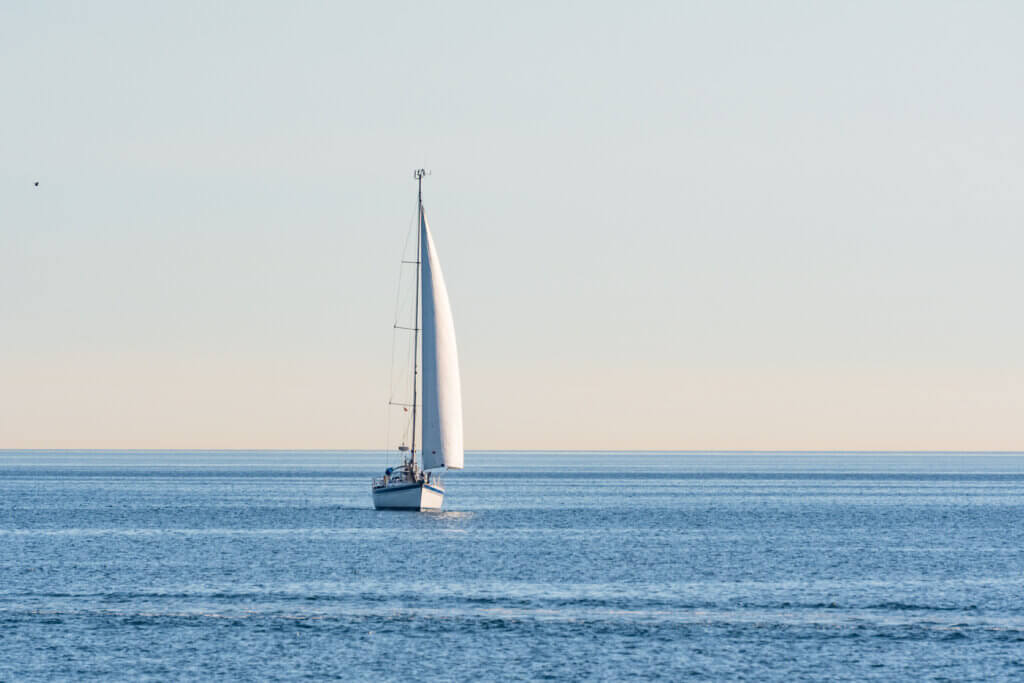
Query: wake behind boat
[(417, 485)]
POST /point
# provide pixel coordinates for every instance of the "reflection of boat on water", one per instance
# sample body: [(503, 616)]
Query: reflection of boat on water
[(417, 485)]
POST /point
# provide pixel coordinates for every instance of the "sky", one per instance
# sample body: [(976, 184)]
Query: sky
[(663, 225)]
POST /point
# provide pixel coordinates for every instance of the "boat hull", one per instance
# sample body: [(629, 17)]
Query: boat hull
[(418, 496)]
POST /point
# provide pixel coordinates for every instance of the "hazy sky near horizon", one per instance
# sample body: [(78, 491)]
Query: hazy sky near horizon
[(664, 225)]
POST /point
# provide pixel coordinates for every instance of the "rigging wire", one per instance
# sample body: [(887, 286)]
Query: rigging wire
[(394, 334)]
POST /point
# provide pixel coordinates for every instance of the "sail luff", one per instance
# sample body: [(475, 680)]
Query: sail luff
[(441, 417)]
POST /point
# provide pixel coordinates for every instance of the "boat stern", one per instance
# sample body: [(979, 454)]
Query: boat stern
[(419, 496)]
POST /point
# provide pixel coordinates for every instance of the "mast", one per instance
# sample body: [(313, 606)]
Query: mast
[(418, 174)]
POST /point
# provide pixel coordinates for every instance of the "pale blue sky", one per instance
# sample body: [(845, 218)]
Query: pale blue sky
[(672, 225)]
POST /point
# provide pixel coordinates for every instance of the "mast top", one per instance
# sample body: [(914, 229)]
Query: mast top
[(418, 175)]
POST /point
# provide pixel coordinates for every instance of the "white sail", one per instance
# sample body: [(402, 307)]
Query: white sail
[(442, 395)]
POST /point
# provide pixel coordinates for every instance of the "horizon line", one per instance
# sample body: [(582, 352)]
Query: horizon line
[(774, 451)]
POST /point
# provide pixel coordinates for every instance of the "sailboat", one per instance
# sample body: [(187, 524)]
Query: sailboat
[(417, 484)]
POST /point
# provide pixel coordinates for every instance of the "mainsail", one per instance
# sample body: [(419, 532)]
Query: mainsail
[(442, 395)]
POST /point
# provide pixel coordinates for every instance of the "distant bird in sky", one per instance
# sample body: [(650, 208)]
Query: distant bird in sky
[(37, 183)]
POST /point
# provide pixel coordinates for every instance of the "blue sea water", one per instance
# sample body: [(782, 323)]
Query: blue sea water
[(569, 566)]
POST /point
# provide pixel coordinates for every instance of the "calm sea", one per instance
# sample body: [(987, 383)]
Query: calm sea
[(569, 566)]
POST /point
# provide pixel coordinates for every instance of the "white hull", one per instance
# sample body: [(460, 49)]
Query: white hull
[(418, 496)]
